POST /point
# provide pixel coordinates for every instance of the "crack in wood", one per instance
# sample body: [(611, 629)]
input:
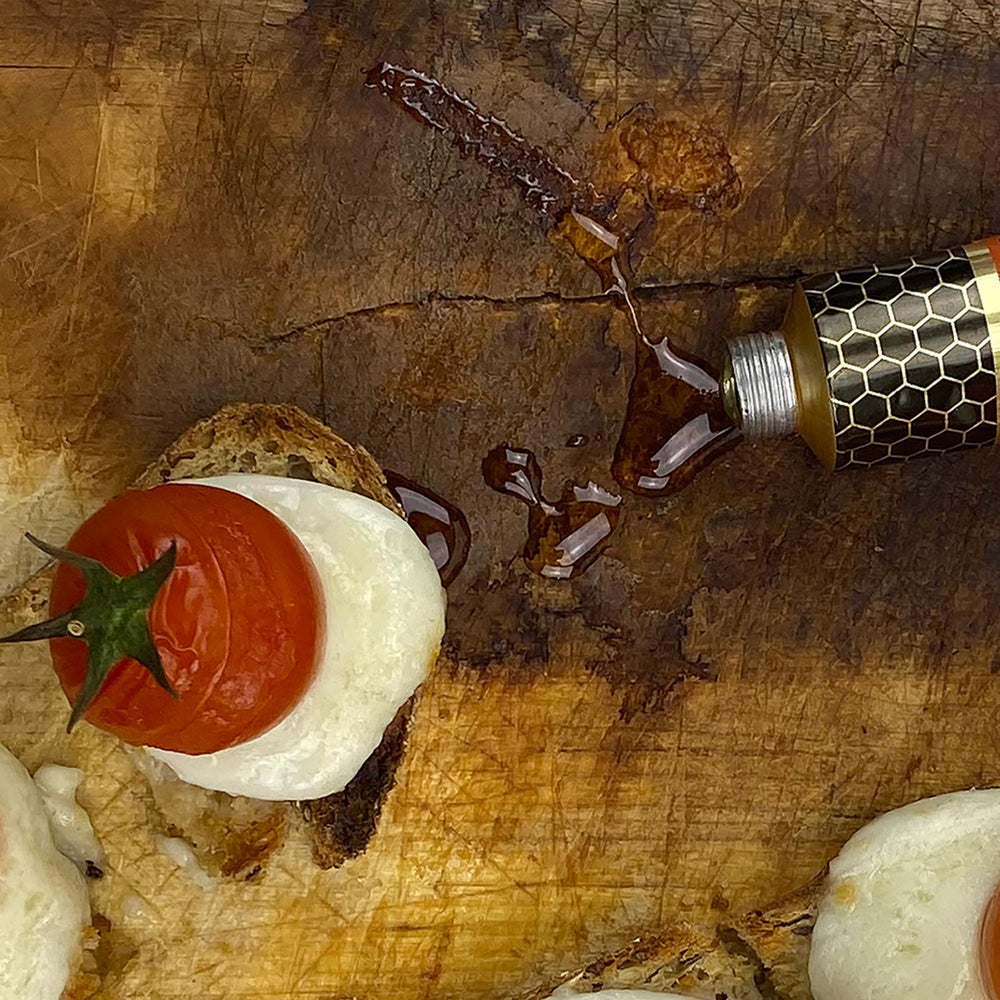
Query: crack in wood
[(649, 292)]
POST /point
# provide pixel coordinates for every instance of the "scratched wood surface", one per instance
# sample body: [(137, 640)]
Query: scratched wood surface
[(200, 204)]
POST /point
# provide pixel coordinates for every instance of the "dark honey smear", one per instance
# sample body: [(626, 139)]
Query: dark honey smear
[(440, 525), (342, 824), (677, 165), (564, 537), (545, 186), (653, 164), (675, 424)]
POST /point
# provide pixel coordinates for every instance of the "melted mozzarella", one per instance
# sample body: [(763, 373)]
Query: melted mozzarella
[(384, 622), (181, 853), (43, 898), (72, 830), (901, 912), (565, 993)]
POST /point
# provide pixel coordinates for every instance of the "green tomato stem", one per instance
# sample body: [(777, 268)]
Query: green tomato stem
[(112, 619)]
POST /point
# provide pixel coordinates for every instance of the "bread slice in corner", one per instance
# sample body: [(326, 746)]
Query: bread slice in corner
[(233, 836), (761, 955)]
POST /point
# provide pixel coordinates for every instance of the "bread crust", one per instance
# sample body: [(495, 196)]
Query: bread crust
[(762, 954), (270, 439)]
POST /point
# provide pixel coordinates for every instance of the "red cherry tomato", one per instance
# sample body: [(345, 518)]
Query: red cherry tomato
[(239, 623)]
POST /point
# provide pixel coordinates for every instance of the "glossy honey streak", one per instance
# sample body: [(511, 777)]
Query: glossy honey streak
[(546, 187), (674, 425), (565, 537), (440, 525)]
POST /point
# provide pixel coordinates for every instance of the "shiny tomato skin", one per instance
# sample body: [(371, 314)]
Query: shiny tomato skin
[(239, 623), (989, 948)]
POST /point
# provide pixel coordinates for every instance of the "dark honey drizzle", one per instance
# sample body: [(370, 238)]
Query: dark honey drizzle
[(675, 424), (564, 537), (546, 187), (673, 428), (439, 524)]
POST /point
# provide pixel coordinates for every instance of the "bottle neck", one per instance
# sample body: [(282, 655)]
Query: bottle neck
[(758, 386)]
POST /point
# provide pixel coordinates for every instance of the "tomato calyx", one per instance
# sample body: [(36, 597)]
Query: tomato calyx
[(112, 619)]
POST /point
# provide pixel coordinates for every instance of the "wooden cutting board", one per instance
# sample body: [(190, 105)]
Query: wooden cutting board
[(200, 204)]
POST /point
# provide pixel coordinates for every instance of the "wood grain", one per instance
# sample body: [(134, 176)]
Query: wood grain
[(200, 204)]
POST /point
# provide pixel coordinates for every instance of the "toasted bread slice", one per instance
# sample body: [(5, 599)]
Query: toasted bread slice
[(233, 836), (761, 955), (273, 440)]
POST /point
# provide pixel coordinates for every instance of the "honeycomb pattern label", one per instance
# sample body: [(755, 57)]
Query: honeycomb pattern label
[(909, 357)]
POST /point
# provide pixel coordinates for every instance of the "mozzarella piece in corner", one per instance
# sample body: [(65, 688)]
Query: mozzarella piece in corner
[(564, 993), (384, 622), (72, 831), (904, 903), (43, 898)]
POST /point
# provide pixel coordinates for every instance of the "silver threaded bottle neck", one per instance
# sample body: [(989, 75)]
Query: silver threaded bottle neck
[(758, 386)]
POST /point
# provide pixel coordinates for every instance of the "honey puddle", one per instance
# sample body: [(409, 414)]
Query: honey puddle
[(565, 537), (440, 525), (674, 423)]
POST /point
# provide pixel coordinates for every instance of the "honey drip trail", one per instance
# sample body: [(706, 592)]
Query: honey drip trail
[(565, 537), (546, 187), (440, 525), (674, 424)]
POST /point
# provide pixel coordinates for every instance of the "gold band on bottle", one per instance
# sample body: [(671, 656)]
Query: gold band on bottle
[(984, 256)]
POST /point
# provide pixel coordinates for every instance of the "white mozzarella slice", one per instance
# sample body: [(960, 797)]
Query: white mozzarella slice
[(43, 898), (902, 909), (384, 622)]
